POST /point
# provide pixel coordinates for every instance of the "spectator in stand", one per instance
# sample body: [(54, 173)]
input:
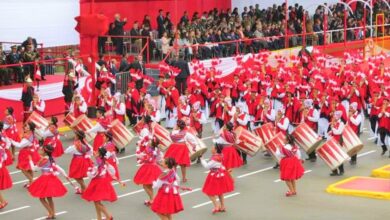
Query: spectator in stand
[(138, 65), (165, 47), (4, 72), (14, 57), (124, 64), (135, 33), (168, 23), (184, 19), (146, 21), (160, 23), (181, 79), (30, 56), (118, 30), (30, 41)]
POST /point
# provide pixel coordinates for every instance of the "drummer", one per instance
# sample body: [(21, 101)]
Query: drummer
[(100, 128), (310, 116), (355, 120), (281, 124), (37, 105), (241, 119), (337, 128), (78, 106), (118, 108), (152, 111)]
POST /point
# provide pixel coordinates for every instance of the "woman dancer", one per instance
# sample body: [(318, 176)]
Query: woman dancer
[(231, 158), (48, 185), (5, 178), (52, 137)]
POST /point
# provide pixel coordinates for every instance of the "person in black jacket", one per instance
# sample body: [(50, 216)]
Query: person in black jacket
[(119, 31), (30, 41), (181, 79), (160, 23), (138, 65), (14, 57), (27, 97), (68, 89)]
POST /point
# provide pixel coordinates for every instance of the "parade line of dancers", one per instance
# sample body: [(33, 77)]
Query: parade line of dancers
[(329, 103)]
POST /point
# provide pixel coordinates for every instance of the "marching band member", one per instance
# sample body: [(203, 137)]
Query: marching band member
[(48, 185), (149, 170), (118, 108), (281, 125), (197, 118), (100, 128), (267, 113), (291, 168), (218, 181), (226, 138), (355, 120), (112, 150), (51, 137), (27, 97), (37, 105), (145, 135), (5, 178), (10, 129), (100, 188), (241, 119), (5, 144), (383, 123), (29, 148), (81, 160), (78, 106), (68, 89), (183, 109), (172, 101), (182, 140), (131, 100), (375, 109), (104, 99), (153, 112), (310, 116), (167, 201), (337, 128), (323, 121)]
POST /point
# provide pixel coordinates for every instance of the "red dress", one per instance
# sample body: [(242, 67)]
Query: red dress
[(167, 200), (81, 160), (55, 142), (218, 181), (5, 178), (149, 171), (178, 149), (112, 160), (290, 166), (9, 160), (100, 187), (48, 184), (231, 158), (29, 145), (11, 132), (102, 126)]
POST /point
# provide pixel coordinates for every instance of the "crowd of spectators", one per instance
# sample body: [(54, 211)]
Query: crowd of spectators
[(216, 29)]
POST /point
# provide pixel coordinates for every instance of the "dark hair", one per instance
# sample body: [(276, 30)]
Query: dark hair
[(290, 139), (54, 120), (48, 149), (101, 110), (31, 126), (218, 148), (170, 162), (10, 110), (147, 119), (1, 125), (181, 124), (229, 126), (102, 152), (81, 136), (109, 135), (155, 142)]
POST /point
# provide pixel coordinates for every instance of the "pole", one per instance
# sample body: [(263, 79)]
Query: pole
[(345, 27), (286, 24), (304, 29), (325, 28)]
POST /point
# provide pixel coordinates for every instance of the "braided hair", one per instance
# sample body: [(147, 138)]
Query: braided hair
[(80, 135), (155, 142), (1, 126), (181, 124), (170, 162), (10, 110), (31, 126), (54, 121), (218, 148), (290, 139), (229, 126), (48, 149)]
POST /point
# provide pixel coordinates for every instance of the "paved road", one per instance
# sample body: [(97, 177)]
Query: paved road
[(258, 195)]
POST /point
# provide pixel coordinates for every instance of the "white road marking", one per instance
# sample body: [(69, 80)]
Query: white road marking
[(57, 214), (131, 193), (23, 181), (254, 172), (123, 181), (209, 202), (371, 138), (279, 180), (15, 172), (128, 156), (206, 138), (189, 192), (14, 210), (366, 153)]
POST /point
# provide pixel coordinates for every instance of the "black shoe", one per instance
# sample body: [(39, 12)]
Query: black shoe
[(384, 151), (334, 173), (313, 160), (122, 151), (276, 166), (307, 159), (341, 173), (267, 154), (198, 160)]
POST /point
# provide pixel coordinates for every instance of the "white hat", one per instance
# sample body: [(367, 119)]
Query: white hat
[(282, 110), (353, 105), (148, 97), (183, 98), (117, 95), (28, 80), (104, 69), (196, 105), (308, 102), (338, 114)]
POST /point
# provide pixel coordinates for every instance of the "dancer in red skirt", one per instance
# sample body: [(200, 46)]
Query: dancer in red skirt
[(150, 170), (145, 136), (10, 129), (29, 148), (178, 149), (100, 188), (231, 158), (48, 185), (5, 178), (5, 144), (100, 128), (52, 137), (167, 201), (218, 181), (291, 167), (111, 152), (81, 160)]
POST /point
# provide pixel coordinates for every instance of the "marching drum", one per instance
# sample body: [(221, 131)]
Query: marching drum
[(249, 143), (121, 136), (275, 143), (69, 119), (138, 127), (351, 142), (40, 122), (83, 123), (200, 149), (163, 135), (332, 154), (266, 132), (306, 138)]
